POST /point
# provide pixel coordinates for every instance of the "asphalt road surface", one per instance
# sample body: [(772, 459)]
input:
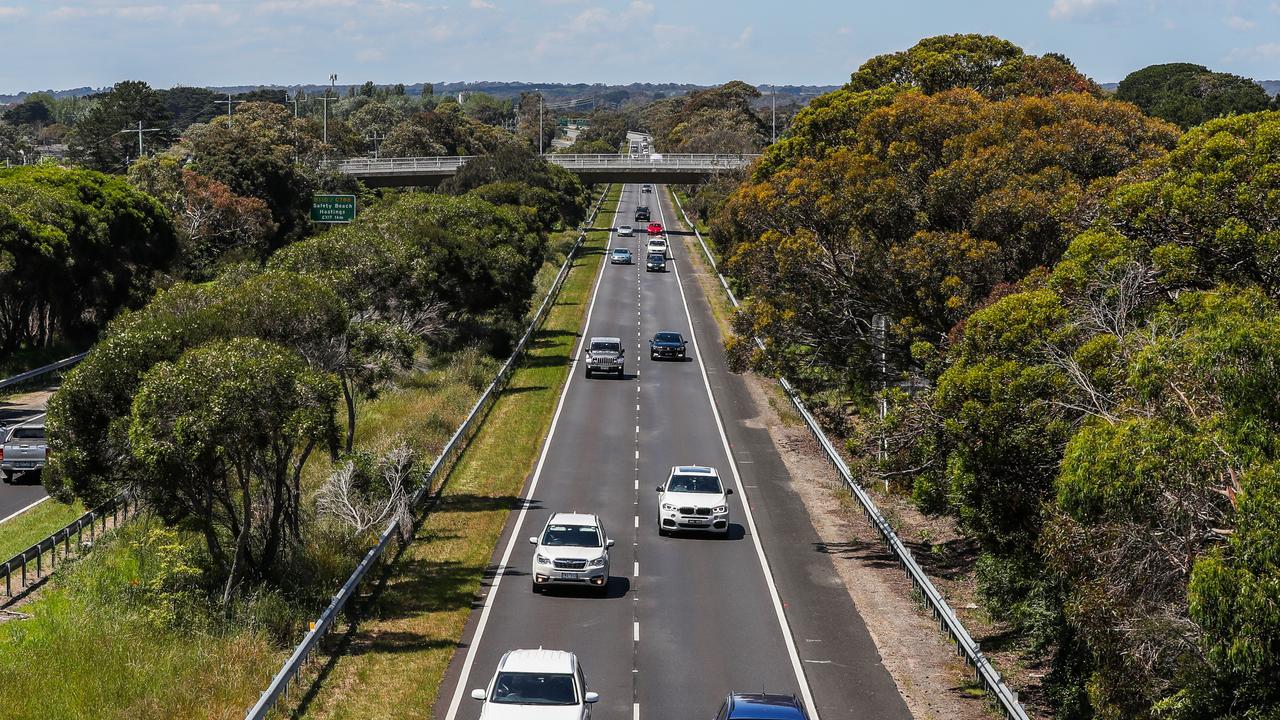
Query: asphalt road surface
[(687, 618), (27, 488)]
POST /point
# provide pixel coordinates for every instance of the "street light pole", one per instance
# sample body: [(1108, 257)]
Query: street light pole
[(540, 104), (333, 79)]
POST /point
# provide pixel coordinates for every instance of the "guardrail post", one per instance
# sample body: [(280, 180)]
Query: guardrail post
[(8, 575), (39, 555)]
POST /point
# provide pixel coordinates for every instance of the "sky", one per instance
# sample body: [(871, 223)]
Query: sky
[(59, 44)]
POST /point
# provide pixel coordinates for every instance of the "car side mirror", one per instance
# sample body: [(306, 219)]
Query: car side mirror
[(683, 343), (608, 543), (591, 697), (659, 488), (477, 694), (728, 491), (533, 541)]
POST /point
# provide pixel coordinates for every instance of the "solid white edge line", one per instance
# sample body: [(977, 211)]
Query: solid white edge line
[(796, 666), (533, 484), (14, 515)]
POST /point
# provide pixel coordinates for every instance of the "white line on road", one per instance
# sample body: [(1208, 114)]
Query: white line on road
[(635, 711), (635, 570), (637, 522), (635, 631), (465, 673), (746, 506), (46, 497)]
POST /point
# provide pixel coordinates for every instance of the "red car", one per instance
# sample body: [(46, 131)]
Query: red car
[(655, 228)]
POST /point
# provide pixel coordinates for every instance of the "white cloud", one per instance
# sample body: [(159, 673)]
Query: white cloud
[(1080, 9), (482, 5), (370, 55), (1235, 22), (744, 38), (1267, 52), (10, 12)]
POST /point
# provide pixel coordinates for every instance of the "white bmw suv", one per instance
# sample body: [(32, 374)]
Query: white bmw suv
[(542, 684), (572, 550), (693, 498)]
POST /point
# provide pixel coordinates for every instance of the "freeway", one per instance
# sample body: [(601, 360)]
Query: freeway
[(16, 410), (686, 619)]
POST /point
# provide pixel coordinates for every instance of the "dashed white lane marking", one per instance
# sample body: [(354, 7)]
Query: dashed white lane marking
[(635, 631), (637, 521), (637, 454), (635, 571), (635, 710), (637, 484)]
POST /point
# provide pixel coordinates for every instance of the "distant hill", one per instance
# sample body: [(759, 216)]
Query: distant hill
[(604, 94)]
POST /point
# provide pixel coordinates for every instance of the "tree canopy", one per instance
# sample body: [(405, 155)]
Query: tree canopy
[(1188, 94)]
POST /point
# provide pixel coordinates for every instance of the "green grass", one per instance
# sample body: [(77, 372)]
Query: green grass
[(392, 665), (35, 525)]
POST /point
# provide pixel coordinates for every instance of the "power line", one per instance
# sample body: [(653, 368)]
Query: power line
[(229, 102)]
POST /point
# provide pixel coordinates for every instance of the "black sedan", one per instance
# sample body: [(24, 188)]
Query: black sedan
[(667, 345)]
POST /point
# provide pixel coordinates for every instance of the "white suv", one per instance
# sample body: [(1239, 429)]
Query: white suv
[(693, 498), (546, 684), (572, 550), (657, 246)]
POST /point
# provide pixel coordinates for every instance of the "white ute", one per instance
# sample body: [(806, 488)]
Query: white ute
[(693, 498), (657, 246), (536, 685), (572, 550)]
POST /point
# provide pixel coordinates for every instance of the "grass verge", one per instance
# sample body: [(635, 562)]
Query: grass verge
[(392, 664), (35, 525)]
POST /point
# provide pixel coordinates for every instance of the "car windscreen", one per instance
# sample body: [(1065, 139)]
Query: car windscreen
[(656, 258), (622, 251), (605, 346), (694, 484), (533, 688), (667, 337), (28, 433), (571, 536)]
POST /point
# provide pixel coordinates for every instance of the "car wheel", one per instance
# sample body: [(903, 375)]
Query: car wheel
[(537, 589), (662, 532), (588, 372)]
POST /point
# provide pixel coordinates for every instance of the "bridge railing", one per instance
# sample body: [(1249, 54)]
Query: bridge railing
[(609, 161)]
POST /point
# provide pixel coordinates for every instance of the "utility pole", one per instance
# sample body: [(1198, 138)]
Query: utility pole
[(140, 130), (540, 104), (375, 138), (229, 103), (333, 79), (880, 326), (296, 93), (773, 103)]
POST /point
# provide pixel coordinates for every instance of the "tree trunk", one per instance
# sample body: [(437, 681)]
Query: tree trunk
[(348, 393)]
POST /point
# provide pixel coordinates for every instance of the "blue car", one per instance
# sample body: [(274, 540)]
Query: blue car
[(761, 706)]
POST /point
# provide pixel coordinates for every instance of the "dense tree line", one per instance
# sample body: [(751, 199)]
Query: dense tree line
[(210, 398), (1091, 300), (718, 119)]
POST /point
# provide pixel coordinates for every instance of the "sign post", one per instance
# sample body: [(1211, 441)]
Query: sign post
[(333, 208)]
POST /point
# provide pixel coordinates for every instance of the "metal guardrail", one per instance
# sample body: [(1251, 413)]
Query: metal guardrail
[(117, 509), (966, 646), (288, 673), (23, 377), (448, 164)]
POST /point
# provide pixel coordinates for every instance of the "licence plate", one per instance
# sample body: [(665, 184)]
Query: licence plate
[(24, 465), (696, 522), (568, 576)]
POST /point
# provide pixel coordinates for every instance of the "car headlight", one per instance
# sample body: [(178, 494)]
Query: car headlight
[(720, 510), (542, 559), (598, 562), (668, 506)]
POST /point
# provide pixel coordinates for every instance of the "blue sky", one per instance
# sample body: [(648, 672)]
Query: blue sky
[(69, 43)]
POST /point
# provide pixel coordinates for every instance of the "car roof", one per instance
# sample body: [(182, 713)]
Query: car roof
[(693, 470), (765, 706), (606, 339), (573, 518), (622, 250), (665, 332), (538, 660)]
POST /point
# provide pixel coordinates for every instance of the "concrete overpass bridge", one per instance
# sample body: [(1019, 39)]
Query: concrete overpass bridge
[(676, 168)]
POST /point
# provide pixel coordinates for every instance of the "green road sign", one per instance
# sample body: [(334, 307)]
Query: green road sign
[(333, 208)]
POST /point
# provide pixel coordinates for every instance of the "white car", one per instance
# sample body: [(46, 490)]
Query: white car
[(572, 550), (656, 246), (693, 498), (626, 231), (536, 685), (646, 188)]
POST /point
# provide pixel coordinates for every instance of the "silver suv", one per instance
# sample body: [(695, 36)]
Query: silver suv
[(572, 550), (24, 451), (604, 354)]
